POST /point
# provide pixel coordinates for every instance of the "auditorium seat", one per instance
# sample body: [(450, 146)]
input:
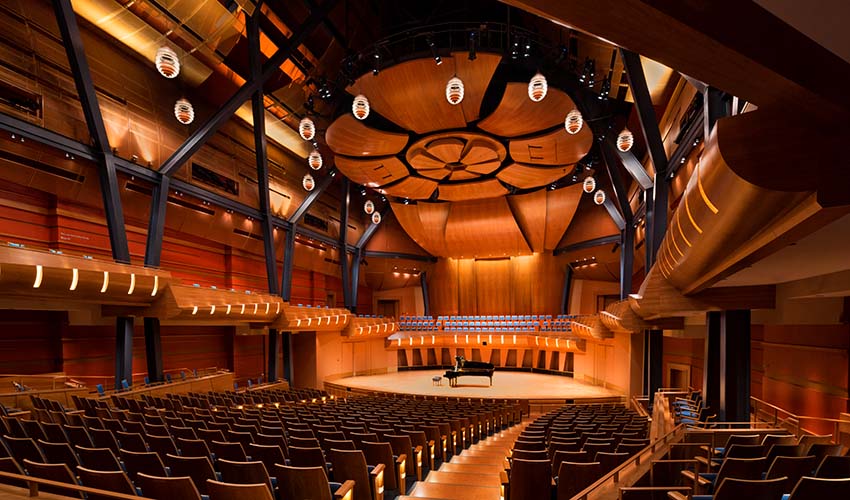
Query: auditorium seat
[(245, 473), (228, 491), (170, 488), (59, 453), (574, 477), (530, 479), (115, 481), (58, 472), (101, 459), (810, 488), (147, 463), (200, 469)]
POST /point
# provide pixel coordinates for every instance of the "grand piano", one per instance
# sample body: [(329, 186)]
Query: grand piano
[(469, 369)]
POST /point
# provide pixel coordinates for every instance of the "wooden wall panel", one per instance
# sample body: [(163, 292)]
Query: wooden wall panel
[(249, 356), (684, 351), (467, 302), (29, 343), (522, 284), (493, 288), (442, 287)]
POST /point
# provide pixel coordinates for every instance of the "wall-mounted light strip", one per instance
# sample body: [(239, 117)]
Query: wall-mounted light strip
[(433, 339), (256, 307), (514, 339), (675, 245), (75, 279), (243, 309), (708, 202), (679, 225), (691, 217), (155, 285), (277, 311), (105, 282), (132, 283), (194, 310), (421, 340), (399, 342), (228, 309), (537, 341), (212, 309), (319, 323), (39, 274), (268, 306), (503, 339), (411, 340)]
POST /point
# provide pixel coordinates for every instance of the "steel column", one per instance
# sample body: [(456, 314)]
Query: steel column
[(735, 366), (73, 43), (355, 277), (627, 260), (714, 107), (288, 256), (156, 222), (153, 349), (274, 354), (312, 197), (123, 350), (656, 218), (260, 150), (286, 355), (343, 232), (426, 301), (711, 371), (655, 361), (565, 294)]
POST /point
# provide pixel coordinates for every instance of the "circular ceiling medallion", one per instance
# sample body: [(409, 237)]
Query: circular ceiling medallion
[(456, 156)]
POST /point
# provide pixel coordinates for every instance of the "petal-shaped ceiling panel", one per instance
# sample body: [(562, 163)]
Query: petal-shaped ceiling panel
[(518, 115), (372, 172), (526, 177), (561, 206), (484, 168), (448, 149), (420, 159), (554, 148), (414, 188), (483, 228), (462, 175), (478, 151), (490, 188), (436, 174), (412, 94), (530, 213), (348, 136)]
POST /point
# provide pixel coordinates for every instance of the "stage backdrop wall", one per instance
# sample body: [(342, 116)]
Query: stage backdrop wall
[(530, 284)]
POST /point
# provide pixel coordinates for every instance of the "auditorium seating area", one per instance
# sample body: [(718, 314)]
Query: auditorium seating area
[(487, 323), (283, 439)]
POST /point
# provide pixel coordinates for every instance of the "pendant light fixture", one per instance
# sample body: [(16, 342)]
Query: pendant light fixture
[(183, 111), (537, 88), (589, 185), (360, 107), (315, 159), (376, 218), (625, 140), (454, 91), (307, 182), (599, 197), (167, 62), (307, 129), (573, 122), (369, 207)]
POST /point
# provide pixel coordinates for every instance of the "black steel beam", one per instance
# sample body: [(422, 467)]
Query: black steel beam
[(370, 231), (153, 350), (715, 106), (426, 301), (156, 222), (634, 167), (312, 197), (565, 294), (67, 20), (260, 150), (655, 362), (611, 162), (288, 259), (345, 201), (396, 255), (687, 143), (209, 127), (286, 355), (274, 354), (123, 351), (711, 371), (656, 218), (582, 245), (735, 366), (614, 212), (356, 257), (627, 261)]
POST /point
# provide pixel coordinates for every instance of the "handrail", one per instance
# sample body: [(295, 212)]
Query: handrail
[(795, 420), (634, 460), (33, 482)]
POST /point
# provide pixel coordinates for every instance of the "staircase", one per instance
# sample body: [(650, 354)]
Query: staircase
[(477, 473)]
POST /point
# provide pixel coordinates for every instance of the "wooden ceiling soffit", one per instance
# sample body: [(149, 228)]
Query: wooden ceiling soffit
[(483, 228), (412, 94), (561, 206), (210, 306), (31, 275), (553, 148), (351, 137), (372, 172), (472, 190), (433, 218), (530, 213), (518, 115), (414, 188), (408, 217), (528, 177)]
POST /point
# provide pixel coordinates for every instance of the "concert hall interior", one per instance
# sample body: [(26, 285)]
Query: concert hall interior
[(478, 249)]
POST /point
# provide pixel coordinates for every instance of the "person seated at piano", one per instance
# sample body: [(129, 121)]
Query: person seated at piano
[(458, 363)]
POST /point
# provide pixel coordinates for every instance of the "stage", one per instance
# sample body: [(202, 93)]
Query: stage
[(506, 384)]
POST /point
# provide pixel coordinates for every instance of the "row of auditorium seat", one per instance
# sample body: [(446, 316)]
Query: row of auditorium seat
[(113, 447)]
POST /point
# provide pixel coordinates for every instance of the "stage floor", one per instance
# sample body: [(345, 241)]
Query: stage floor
[(520, 385)]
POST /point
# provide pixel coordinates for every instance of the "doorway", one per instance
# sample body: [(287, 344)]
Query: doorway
[(678, 376), (388, 308)]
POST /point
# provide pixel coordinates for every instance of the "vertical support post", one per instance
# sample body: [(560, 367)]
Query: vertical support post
[(355, 277), (735, 366), (343, 243), (715, 106), (649, 203), (711, 371), (73, 42), (627, 259), (274, 354), (656, 219), (655, 359), (565, 294), (288, 257), (426, 301), (156, 222), (286, 355), (123, 350), (260, 150), (153, 349)]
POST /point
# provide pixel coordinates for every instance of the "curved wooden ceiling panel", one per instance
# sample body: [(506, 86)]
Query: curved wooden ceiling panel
[(555, 148), (483, 228), (530, 213), (348, 136), (413, 94), (414, 188), (448, 150), (372, 172), (472, 190), (526, 177), (420, 159), (561, 205), (518, 115), (432, 218), (408, 217)]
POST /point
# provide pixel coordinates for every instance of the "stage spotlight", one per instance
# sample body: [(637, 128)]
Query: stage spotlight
[(606, 88), (325, 89), (526, 49), (433, 47), (515, 49), (473, 35), (376, 63), (563, 52), (310, 105)]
